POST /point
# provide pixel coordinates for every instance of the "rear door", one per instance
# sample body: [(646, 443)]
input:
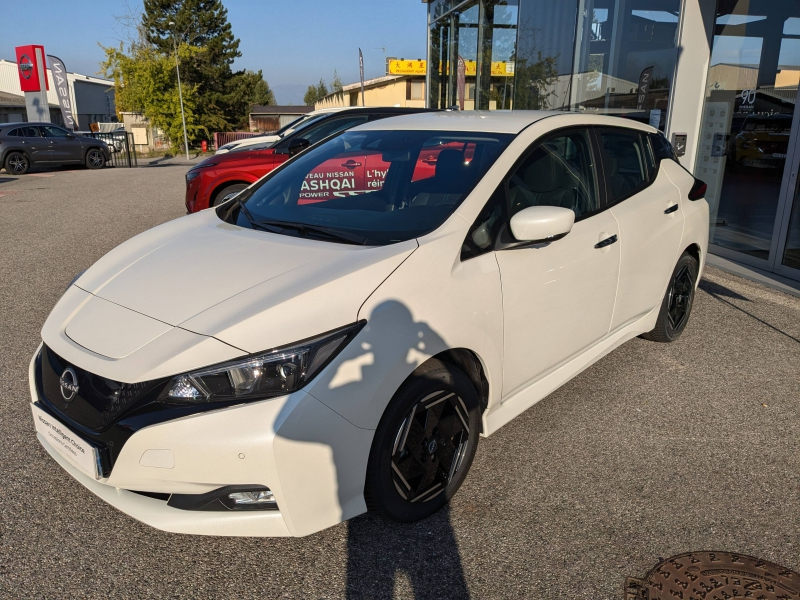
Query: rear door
[(65, 147), (30, 140), (647, 207)]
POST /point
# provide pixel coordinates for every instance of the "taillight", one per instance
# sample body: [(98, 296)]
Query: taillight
[(698, 189)]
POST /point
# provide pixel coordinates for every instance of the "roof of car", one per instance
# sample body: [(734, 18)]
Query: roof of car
[(491, 121), (470, 120)]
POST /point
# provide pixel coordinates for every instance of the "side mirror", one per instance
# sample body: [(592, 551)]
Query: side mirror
[(297, 145), (542, 223), (71, 136)]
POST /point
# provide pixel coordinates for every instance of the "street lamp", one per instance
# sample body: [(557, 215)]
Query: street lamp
[(180, 92)]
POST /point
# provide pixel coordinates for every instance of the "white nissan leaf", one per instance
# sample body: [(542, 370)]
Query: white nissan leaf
[(336, 338)]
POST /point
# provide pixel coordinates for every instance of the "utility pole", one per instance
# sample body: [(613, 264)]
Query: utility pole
[(180, 92)]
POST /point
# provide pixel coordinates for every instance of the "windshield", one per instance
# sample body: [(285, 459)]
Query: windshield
[(290, 126), (379, 187)]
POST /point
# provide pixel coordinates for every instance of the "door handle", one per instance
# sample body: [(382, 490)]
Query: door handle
[(606, 242), (351, 164), (671, 209)]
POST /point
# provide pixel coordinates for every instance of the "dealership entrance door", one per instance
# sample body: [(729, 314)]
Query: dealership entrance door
[(748, 151)]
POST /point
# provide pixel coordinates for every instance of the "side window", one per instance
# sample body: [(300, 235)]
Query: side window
[(25, 132), (54, 132), (327, 128), (625, 162), (661, 147), (484, 230), (559, 172)]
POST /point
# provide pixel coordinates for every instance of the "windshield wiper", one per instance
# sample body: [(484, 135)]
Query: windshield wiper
[(253, 223), (305, 229)]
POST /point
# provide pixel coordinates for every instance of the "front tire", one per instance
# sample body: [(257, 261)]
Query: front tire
[(227, 193), (95, 159), (17, 163), (424, 444), (677, 303)]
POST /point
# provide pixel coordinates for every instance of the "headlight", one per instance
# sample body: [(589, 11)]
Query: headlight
[(274, 373), (191, 175)]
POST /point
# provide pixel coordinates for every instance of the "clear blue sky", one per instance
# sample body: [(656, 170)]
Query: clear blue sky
[(294, 42)]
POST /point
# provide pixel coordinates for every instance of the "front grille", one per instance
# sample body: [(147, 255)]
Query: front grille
[(99, 401), (104, 412)]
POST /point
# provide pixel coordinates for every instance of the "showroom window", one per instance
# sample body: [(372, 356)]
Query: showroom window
[(545, 45), (625, 58)]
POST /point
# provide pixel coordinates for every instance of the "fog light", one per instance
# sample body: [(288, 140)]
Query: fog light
[(259, 497)]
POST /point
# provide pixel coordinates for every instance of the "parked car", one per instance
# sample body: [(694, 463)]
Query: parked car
[(25, 144), (274, 137), (219, 177), (276, 365)]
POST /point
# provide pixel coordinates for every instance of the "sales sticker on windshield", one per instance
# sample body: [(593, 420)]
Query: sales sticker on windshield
[(69, 445)]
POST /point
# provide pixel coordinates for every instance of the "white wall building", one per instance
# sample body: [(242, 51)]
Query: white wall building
[(92, 97)]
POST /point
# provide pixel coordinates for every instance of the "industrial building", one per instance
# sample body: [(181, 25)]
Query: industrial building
[(91, 97)]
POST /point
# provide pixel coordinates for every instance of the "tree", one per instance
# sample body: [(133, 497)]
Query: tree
[(203, 24), (336, 84), (315, 93), (247, 89), (145, 82)]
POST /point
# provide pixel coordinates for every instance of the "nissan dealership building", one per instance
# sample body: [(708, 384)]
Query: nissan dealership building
[(718, 77)]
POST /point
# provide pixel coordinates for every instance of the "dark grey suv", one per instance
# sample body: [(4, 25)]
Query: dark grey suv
[(25, 144)]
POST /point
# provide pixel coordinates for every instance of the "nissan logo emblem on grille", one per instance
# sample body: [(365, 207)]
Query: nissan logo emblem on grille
[(69, 384), (25, 66)]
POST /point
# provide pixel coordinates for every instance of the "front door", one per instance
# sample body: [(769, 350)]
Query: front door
[(64, 146), (558, 298), (647, 207)]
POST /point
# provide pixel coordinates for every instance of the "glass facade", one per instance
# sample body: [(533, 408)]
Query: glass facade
[(603, 56), (751, 93), (621, 57)]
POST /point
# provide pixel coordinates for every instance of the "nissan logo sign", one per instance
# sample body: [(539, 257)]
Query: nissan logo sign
[(25, 66), (69, 384)]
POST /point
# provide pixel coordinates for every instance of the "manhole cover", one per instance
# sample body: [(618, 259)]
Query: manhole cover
[(714, 576)]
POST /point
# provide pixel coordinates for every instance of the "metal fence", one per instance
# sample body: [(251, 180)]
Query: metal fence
[(120, 143), (223, 137)]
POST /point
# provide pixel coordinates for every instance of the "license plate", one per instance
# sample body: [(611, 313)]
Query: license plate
[(69, 445)]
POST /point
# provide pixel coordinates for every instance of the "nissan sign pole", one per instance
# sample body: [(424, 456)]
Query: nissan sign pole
[(62, 89), (33, 82)]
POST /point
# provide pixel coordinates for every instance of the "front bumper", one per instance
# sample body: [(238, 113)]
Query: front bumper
[(313, 460)]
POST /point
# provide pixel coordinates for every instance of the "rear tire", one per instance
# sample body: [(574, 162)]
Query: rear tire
[(424, 444), (227, 192), (17, 163), (677, 303), (95, 159)]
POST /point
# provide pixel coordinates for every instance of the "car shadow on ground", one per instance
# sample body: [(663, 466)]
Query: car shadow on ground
[(721, 293), (417, 560)]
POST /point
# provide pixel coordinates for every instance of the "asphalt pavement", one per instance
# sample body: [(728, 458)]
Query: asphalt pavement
[(653, 451)]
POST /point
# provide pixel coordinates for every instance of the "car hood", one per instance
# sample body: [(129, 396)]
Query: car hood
[(250, 289)]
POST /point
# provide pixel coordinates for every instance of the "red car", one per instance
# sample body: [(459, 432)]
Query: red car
[(220, 176)]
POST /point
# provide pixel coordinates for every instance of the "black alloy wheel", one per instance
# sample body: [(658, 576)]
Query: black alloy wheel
[(424, 445), (17, 163), (679, 298), (677, 303), (429, 446), (95, 159)]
